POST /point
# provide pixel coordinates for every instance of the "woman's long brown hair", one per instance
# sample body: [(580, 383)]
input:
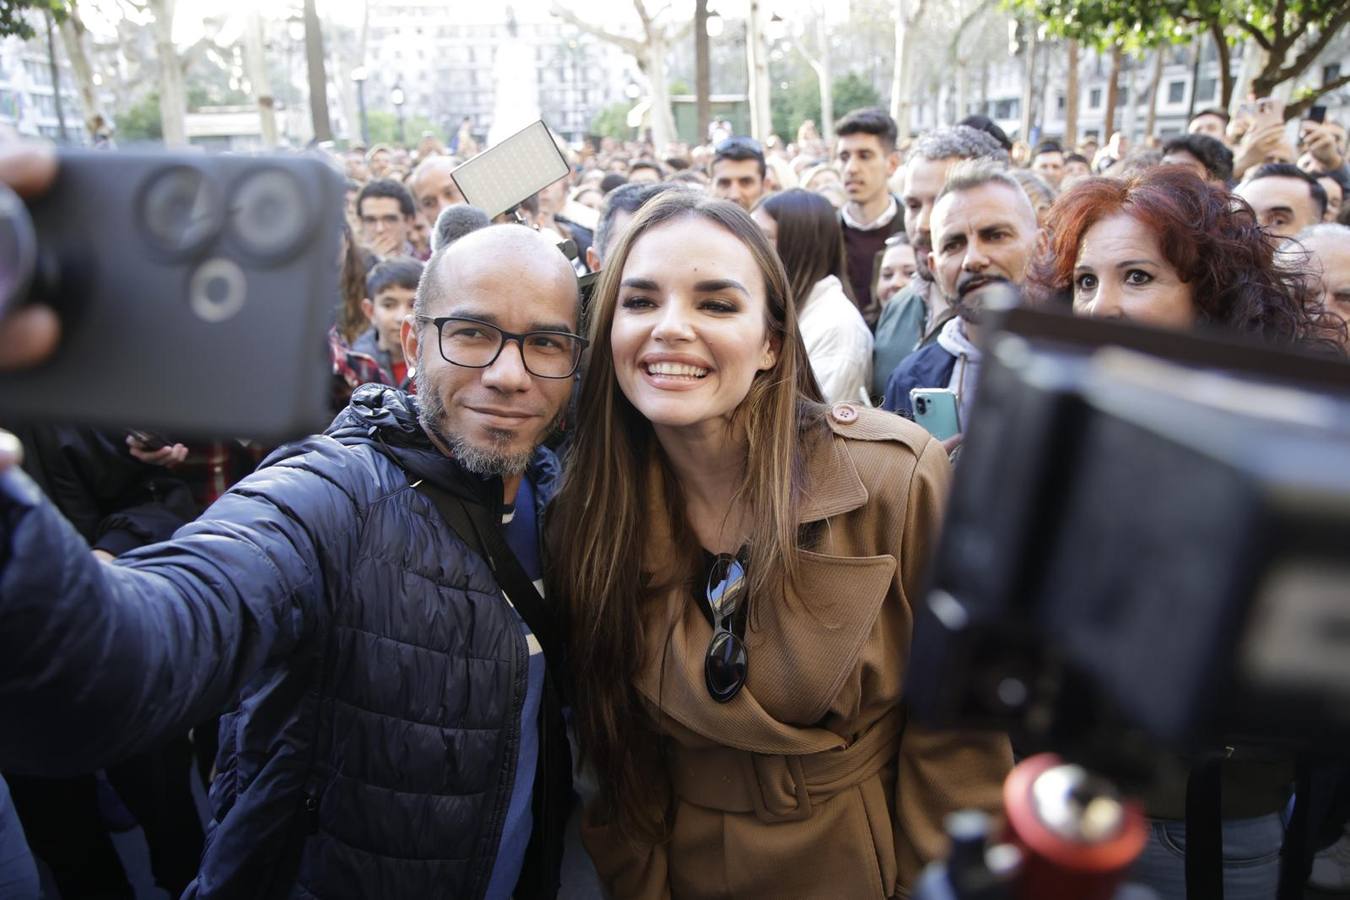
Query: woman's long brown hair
[(597, 522)]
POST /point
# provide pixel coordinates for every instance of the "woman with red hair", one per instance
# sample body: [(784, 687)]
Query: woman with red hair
[(1167, 248)]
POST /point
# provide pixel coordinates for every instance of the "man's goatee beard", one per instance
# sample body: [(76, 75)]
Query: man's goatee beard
[(478, 460)]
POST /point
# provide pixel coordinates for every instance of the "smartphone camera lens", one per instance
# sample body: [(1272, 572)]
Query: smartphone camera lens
[(18, 249), (181, 210), (270, 214), (921, 404)]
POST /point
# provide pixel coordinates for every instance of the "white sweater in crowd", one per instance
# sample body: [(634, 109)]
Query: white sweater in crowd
[(838, 342)]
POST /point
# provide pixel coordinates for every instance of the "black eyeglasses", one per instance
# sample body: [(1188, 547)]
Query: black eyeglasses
[(726, 663), (476, 345)]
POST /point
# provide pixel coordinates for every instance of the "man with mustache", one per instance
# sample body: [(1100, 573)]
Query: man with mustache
[(913, 316), (984, 234)]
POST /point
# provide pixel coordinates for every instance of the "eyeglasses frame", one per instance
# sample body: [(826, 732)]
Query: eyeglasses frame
[(507, 337)]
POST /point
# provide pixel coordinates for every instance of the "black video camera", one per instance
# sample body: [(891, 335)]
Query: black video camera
[(1146, 546)]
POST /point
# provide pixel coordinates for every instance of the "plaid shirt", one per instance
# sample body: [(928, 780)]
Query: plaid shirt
[(351, 369)]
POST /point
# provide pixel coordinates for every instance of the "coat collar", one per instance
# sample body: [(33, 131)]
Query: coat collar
[(832, 483)]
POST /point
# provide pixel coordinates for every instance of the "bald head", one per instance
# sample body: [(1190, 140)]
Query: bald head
[(433, 187), (499, 255)]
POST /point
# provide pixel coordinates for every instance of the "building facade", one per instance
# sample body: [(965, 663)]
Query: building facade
[(444, 57), (28, 98)]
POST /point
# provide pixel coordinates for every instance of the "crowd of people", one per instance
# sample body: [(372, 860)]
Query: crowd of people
[(400, 678)]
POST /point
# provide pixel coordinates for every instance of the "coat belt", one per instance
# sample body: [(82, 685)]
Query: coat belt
[(778, 788)]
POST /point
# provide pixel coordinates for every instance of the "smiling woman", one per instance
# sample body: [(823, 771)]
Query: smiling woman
[(738, 562), (1170, 249)]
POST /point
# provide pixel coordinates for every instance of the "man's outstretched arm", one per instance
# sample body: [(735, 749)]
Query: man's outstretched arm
[(99, 659)]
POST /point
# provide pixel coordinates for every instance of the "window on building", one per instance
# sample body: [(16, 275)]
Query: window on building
[(1123, 96), (1176, 91), (1060, 102), (1095, 98), (1007, 109), (1205, 90), (1331, 73)]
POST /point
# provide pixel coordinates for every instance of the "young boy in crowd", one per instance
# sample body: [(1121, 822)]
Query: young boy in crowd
[(390, 289)]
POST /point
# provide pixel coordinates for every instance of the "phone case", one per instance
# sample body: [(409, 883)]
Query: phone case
[(936, 410), (194, 291)]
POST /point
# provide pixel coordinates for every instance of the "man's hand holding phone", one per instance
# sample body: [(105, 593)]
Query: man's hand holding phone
[(1319, 141)]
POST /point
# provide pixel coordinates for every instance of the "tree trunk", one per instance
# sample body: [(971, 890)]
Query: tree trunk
[(757, 64), (901, 101), (825, 72), (962, 87), (1196, 53), (257, 75), (1253, 62), (1071, 99), (702, 70), (663, 122), (56, 77), (72, 37), (318, 76), (1225, 66), (172, 92), (1112, 95), (1151, 120), (1028, 81)]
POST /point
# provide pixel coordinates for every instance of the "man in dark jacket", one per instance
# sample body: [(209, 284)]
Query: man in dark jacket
[(984, 233), (391, 729)]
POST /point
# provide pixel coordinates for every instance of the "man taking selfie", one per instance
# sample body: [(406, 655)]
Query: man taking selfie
[(393, 725)]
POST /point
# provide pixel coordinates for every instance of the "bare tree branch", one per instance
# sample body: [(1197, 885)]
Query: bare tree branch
[(645, 18), (1314, 50), (966, 21), (634, 47), (1294, 110), (1257, 35)]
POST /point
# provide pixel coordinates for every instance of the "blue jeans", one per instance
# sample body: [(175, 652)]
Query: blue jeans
[(1251, 858), (18, 872)]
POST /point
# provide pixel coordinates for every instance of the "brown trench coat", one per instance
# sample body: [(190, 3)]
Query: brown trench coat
[(810, 783)]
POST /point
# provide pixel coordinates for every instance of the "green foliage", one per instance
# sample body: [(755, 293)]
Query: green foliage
[(1292, 33), (1130, 24), (384, 128), (612, 121), (853, 92), (801, 101), (14, 15), (141, 122)]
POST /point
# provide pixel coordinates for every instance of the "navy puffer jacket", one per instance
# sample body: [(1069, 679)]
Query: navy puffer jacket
[(372, 671)]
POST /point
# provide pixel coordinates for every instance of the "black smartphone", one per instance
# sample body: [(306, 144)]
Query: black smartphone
[(149, 440), (1317, 114), (194, 291)]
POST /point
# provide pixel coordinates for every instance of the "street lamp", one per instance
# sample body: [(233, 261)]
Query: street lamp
[(714, 25), (359, 75), (776, 30), (397, 98)]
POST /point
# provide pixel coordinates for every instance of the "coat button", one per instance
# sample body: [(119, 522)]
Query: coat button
[(844, 412)]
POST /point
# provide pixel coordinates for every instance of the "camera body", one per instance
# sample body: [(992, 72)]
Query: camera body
[(194, 292), (1143, 548)]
